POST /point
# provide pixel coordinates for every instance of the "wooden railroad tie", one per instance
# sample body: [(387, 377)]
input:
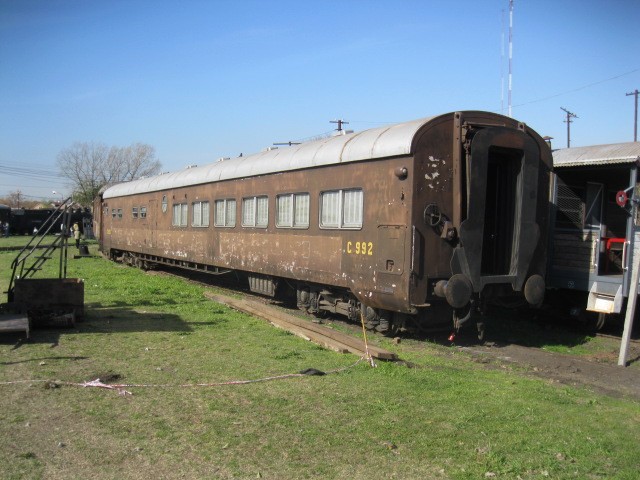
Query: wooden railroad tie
[(337, 341)]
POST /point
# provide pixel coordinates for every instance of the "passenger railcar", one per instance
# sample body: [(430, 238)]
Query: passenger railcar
[(392, 223), (593, 236)]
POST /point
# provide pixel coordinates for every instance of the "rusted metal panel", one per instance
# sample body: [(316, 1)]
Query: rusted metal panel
[(286, 254), (41, 296), (394, 259)]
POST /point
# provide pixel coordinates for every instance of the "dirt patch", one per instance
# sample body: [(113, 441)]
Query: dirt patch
[(598, 372)]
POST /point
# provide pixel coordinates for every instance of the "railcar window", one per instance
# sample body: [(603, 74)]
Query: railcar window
[(134, 212), (301, 210), (352, 209), (113, 213), (255, 212), (292, 210), (120, 213), (143, 212), (341, 209), (225, 213), (200, 214), (164, 203), (179, 215)]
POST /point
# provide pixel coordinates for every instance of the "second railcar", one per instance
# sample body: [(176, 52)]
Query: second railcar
[(391, 223)]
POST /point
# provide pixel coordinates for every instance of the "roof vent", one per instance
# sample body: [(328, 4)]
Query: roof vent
[(268, 149), (339, 133), (192, 166), (222, 159)]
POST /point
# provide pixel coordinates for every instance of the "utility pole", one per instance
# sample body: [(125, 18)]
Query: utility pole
[(635, 121), (568, 122), (340, 122)]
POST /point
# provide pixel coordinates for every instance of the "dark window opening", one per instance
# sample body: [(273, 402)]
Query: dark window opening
[(502, 203)]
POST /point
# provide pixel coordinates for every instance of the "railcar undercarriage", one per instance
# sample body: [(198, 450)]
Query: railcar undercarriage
[(314, 299)]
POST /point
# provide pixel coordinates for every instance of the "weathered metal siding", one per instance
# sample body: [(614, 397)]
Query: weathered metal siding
[(372, 261), (432, 183), (389, 263), (441, 178)]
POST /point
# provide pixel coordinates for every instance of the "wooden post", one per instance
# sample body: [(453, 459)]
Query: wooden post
[(632, 300)]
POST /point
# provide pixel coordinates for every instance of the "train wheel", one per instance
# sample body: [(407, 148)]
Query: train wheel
[(385, 326), (379, 320), (371, 318), (303, 298)]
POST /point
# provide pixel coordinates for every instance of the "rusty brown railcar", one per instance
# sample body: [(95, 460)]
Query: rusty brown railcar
[(392, 223)]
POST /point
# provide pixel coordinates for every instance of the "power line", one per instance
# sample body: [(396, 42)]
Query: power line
[(32, 174), (39, 197), (22, 185), (577, 89)]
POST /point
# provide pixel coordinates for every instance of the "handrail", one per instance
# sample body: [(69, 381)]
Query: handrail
[(18, 266)]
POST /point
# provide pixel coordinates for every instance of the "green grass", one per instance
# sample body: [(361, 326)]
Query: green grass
[(448, 417), (20, 241)]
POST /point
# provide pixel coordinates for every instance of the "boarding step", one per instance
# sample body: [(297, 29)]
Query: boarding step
[(605, 297)]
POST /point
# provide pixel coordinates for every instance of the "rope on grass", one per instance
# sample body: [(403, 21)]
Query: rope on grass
[(367, 355), (122, 387)]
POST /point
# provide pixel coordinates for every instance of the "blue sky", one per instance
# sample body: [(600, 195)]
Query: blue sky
[(199, 80)]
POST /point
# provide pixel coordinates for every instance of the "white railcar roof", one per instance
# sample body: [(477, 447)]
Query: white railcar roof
[(388, 141), (597, 155)]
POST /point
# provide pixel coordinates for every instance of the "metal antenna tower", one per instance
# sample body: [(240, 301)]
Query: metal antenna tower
[(502, 62), (568, 122), (510, 49), (635, 121)]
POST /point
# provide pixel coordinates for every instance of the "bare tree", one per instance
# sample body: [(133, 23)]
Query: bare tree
[(132, 162), (15, 199), (91, 166)]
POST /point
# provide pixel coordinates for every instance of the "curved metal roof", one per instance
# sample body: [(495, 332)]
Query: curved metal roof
[(597, 155), (380, 142)]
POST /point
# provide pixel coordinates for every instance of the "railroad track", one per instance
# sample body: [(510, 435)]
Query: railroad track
[(617, 337), (320, 334)]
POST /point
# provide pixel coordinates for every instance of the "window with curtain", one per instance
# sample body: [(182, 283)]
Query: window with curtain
[(179, 218), (225, 213), (255, 212), (292, 210), (342, 209), (200, 214)]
